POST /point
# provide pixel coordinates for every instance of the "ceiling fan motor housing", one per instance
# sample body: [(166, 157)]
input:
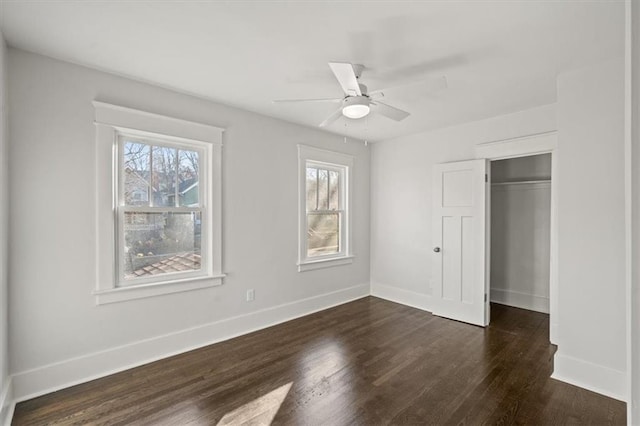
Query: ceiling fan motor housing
[(355, 107)]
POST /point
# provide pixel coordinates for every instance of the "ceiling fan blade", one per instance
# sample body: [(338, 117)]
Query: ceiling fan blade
[(389, 111), (333, 117), (346, 76), (280, 101)]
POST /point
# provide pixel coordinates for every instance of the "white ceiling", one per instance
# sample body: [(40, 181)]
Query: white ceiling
[(498, 56)]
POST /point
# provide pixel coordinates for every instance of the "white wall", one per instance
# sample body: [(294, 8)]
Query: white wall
[(591, 222), (520, 232), (633, 192), (5, 391), (58, 335), (401, 248)]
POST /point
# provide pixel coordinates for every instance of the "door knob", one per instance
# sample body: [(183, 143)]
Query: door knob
[(437, 249)]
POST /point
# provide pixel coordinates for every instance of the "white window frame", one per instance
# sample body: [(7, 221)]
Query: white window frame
[(342, 163), (113, 123)]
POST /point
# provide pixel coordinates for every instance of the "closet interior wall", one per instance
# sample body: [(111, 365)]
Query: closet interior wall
[(520, 231)]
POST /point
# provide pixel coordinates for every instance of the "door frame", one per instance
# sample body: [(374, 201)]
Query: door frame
[(525, 146)]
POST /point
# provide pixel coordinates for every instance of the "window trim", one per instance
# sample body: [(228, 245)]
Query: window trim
[(344, 164), (113, 121)]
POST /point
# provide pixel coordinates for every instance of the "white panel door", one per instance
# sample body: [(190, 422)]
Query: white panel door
[(460, 249)]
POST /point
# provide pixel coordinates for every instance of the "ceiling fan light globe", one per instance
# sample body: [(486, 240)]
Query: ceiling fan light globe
[(356, 111)]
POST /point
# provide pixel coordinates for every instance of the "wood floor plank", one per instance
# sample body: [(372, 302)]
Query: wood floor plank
[(366, 362)]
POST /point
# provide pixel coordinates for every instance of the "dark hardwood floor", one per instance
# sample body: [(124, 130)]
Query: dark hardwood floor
[(367, 362)]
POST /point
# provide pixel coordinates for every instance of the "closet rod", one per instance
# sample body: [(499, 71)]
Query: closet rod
[(522, 182)]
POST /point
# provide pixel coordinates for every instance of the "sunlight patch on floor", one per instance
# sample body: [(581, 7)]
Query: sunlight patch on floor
[(260, 411)]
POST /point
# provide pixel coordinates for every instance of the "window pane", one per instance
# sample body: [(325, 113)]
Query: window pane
[(159, 243), (188, 178), (334, 190), (323, 189), (164, 176), (312, 188), (323, 234), (136, 164)]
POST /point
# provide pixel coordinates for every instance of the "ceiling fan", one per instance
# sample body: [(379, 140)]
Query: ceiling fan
[(358, 102)]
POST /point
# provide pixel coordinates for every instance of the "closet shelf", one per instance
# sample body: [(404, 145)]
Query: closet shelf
[(522, 182)]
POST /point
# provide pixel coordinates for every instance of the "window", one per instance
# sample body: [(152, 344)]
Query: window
[(324, 208), (160, 208), (159, 204)]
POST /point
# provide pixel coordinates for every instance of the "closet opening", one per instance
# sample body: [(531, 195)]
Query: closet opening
[(521, 233)]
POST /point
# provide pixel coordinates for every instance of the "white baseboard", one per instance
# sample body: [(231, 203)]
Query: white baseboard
[(7, 403), (553, 332), (590, 376), (520, 300), (405, 297), (49, 378)]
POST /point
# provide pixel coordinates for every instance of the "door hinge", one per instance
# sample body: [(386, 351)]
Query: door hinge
[(486, 177), (485, 297)]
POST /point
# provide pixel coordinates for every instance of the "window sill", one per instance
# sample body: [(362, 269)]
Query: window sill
[(122, 294), (324, 263)]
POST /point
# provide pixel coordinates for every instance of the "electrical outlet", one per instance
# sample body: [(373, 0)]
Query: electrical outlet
[(251, 294)]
